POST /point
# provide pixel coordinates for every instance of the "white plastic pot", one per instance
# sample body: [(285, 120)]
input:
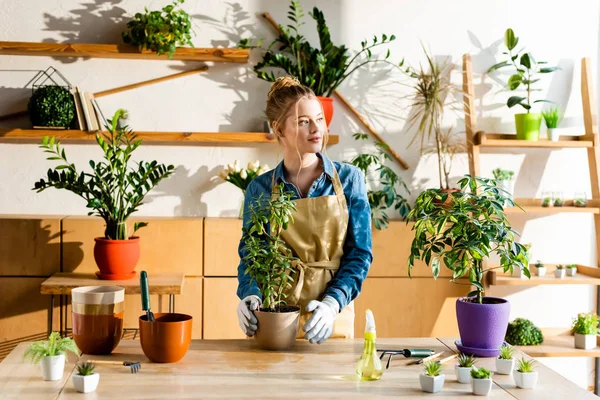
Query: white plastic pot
[(53, 367), (559, 273), (586, 342), (541, 271), (431, 384), (571, 271), (553, 134), (505, 367), (481, 387), (526, 380), (463, 374), (87, 383)]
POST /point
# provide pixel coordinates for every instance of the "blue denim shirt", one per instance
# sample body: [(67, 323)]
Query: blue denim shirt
[(347, 282)]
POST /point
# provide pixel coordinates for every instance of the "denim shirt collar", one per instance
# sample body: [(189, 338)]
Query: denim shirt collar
[(327, 168)]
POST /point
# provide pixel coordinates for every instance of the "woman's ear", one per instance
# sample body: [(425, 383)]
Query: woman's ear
[(277, 129)]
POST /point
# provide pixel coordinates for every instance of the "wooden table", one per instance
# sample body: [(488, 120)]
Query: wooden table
[(236, 369), (62, 283)]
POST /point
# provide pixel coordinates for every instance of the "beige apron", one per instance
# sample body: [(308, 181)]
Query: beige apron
[(317, 238)]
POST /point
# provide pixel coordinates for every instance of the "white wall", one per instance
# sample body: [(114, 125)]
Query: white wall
[(230, 98)]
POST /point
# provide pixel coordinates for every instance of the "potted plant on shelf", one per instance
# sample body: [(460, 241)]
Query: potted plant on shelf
[(558, 198), (580, 199), (432, 380), (505, 180), (571, 270), (51, 355), (113, 190), (505, 362), (321, 69), (551, 117), (559, 272), (526, 74), (269, 262), (522, 332), (547, 200), (525, 376), (462, 234), (585, 328), (51, 106), (85, 380), (160, 31), (241, 177), (481, 381), (540, 269), (463, 368)]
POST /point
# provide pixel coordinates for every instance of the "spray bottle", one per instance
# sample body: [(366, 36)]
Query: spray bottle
[(369, 366)]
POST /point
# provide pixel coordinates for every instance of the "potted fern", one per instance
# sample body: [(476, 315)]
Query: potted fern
[(463, 368), (51, 355), (432, 380), (481, 381), (505, 362), (85, 380), (113, 190), (585, 328), (525, 376)]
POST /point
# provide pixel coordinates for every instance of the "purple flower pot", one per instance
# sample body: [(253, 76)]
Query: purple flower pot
[(482, 326)]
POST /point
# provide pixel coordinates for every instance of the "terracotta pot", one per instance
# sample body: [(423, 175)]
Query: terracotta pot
[(116, 259), (327, 104), (168, 338), (277, 330), (97, 317)]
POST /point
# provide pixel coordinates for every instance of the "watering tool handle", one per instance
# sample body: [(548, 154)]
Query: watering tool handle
[(420, 353), (144, 290)]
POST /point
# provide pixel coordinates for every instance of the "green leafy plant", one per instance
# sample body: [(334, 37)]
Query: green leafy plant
[(526, 71), (551, 117), (559, 266), (503, 174), (547, 202), (114, 190), (539, 265), (432, 368), (389, 183), (580, 202), (160, 31), (586, 324), (506, 353), (525, 366), (322, 69), (481, 373), (267, 258), (51, 106), (522, 332), (54, 346), (463, 230), (85, 368), (571, 266), (465, 360)]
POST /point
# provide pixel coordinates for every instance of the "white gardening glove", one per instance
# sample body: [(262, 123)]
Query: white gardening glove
[(320, 325), (246, 318)]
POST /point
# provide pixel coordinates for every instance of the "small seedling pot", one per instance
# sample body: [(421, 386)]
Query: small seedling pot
[(463, 374), (586, 342), (481, 387), (526, 380), (53, 367), (431, 384), (86, 383), (571, 271), (505, 367), (559, 273), (541, 271)]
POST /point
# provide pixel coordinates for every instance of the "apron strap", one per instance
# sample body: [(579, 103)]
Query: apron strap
[(300, 266), (335, 180)]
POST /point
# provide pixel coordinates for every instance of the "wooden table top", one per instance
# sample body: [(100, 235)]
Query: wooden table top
[(62, 283), (237, 369)]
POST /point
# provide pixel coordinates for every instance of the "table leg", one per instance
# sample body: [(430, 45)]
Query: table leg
[(596, 376), (50, 314), (171, 303)]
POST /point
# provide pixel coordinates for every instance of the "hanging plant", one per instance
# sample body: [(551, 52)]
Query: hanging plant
[(51, 106)]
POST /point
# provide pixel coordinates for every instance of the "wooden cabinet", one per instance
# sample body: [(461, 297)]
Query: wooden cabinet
[(220, 304), (221, 240), (190, 302)]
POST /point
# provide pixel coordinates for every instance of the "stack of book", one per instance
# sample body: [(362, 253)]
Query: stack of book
[(89, 115)]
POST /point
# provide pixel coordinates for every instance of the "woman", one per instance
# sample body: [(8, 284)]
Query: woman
[(331, 233)]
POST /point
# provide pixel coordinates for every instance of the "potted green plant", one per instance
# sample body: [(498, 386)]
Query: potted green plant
[(51, 106), (571, 270), (322, 69), (527, 71), (559, 272), (390, 184), (463, 368), (585, 329), (160, 31), (551, 117), (432, 380), (113, 190), (540, 269), (268, 262), (505, 362), (522, 332), (558, 198), (241, 177), (547, 200), (85, 380), (481, 381), (462, 234), (580, 199), (505, 180), (51, 355), (525, 376)]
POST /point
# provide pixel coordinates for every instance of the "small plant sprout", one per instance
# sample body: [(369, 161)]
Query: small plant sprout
[(525, 366), (506, 353), (432, 368), (85, 368), (465, 360), (551, 117), (481, 373)]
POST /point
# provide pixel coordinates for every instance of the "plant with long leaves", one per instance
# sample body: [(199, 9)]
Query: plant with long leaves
[(268, 259), (389, 183), (506, 353), (526, 366), (85, 368), (432, 368), (114, 190), (321, 69), (54, 346), (526, 71), (463, 229), (466, 360)]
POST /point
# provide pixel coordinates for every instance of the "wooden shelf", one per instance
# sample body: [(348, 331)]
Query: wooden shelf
[(121, 51), (534, 206), (483, 139), (584, 276), (558, 346)]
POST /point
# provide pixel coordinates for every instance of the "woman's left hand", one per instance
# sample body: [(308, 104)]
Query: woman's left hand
[(319, 327)]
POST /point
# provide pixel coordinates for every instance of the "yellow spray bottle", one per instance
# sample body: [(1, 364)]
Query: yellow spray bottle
[(369, 366)]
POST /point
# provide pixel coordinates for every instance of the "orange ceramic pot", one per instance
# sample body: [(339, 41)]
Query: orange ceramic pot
[(327, 104), (97, 317), (116, 259), (168, 338)]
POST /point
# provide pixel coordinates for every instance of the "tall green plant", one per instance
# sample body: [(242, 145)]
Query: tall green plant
[(322, 69), (54, 346), (526, 71), (114, 190), (268, 259), (463, 230)]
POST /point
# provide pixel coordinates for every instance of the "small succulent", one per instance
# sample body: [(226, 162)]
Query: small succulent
[(506, 353), (432, 368), (481, 373), (85, 368), (579, 202), (525, 366), (547, 202), (465, 360), (539, 265), (559, 266), (571, 266), (558, 202)]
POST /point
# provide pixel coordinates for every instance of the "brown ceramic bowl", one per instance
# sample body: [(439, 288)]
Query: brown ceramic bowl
[(168, 338)]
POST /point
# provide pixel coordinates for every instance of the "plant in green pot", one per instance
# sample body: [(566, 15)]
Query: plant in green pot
[(527, 72), (114, 189), (585, 329), (51, 355), (462, 234)]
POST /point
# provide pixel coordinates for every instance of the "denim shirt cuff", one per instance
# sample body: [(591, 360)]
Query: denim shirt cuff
[(338, 295)]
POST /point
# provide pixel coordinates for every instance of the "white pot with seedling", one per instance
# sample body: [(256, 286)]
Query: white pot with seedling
[(585, 328), (51, 355), (559, 272), (551, 118), (571, 270), (525, 376), (540, 269), (432, 380), (505, 362), (463, 368), (481, 381), (85, 380)]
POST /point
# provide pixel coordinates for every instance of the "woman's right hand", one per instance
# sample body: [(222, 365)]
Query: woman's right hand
[(246, 318)]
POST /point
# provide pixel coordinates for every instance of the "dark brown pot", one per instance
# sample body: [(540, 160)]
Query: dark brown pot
[(168, 338), (277, 330)]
